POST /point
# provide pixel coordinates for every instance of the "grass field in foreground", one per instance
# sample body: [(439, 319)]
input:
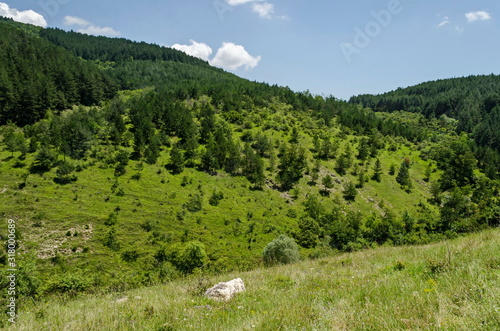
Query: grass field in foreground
[(451, 285)]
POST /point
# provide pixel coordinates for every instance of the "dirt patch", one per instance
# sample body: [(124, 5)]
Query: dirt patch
[(51, 242)]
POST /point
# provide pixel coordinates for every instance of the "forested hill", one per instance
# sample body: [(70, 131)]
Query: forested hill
[(115, 49), (44, 69), (474, 101), (36, 75)]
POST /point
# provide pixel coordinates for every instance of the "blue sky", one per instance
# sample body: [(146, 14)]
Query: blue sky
[(339, 48)]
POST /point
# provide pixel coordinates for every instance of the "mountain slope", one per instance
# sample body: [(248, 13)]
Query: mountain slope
[(188, 168), (473, 101), (36, 75)]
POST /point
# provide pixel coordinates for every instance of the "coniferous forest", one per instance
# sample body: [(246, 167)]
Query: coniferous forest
[(127, 164)]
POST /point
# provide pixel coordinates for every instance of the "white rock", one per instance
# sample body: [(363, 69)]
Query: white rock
[(226, 290)]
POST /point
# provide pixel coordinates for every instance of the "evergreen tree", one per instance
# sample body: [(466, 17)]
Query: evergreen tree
[(176, 159), (233, 160), (253, 166), (350, 191), (207, 119), (364, 149), (308, 235), (292, 165), (294, 138), (361, 179), (327, 182), (326, 149), (209, 161), (377, 171), (403, 177)]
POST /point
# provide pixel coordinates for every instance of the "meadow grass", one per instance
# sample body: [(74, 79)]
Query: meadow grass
[(452, 285)]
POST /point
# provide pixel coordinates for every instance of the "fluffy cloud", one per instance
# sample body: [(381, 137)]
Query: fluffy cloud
[(231, 57), (200, 50), (478, 16), (239, 2), (445, 21), (265, 10), (98, 31), (89, 28), (261, 7), (25, 16), (73, 20)]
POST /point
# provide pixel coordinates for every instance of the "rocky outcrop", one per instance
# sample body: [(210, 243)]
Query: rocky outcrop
[(226, 290)]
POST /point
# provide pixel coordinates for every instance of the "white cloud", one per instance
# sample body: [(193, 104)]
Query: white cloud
[(446, 20), (261, 7), (98, 31), (478, 16), (231, 57), (264, 10), (24, 16), (200, 50), (240, 2), (89, 28), (73, 20)]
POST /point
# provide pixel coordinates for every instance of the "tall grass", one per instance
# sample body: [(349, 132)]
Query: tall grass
[(451, 285)]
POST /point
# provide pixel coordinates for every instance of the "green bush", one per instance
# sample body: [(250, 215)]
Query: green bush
[(190, 256), (282, 250)]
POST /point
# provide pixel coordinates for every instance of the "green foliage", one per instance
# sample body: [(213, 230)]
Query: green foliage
[(308, 235), (112, 219), (44, 159), (215, 198), (327, 181), (403, 177), (130, 255), (195, 203), (176, 160), (253, 166), (64, 171), (377, 171), (37, 75), (282, 250), (350, 191), (292, 165), (457, 162), (189, 257), (68, 283), (110, 240)]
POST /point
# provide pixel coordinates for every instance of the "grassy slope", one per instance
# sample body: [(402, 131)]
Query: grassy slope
[(234, 232), (158, 197), (450, 285)]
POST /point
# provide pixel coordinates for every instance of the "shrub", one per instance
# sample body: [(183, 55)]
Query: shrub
[(194, 204), (130, 255), (350, 191), (189, 257), (215, 198), (112, 219), (282, 250)]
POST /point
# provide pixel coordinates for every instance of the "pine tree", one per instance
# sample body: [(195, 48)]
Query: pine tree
[(361, 179), (176, 160), (253, 166), (350, 191), (377, 171), (233, 160), (292, 165), (209, 160), (327, 181), (403, 177)]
